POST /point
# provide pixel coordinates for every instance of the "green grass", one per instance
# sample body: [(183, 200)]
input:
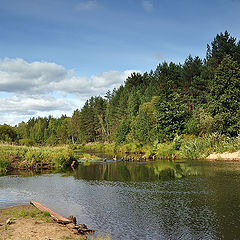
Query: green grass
[(185, 146), (201, 147), (24, 157), (109, 148), (166, 150), (89, 157), (35, 213), (3, 165), (163, 150)]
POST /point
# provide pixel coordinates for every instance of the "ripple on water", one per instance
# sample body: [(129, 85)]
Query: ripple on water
[(187, 208)]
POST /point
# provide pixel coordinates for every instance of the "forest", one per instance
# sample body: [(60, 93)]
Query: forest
[(196, 98)]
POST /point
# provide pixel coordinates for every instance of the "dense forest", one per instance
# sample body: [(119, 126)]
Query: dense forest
[(198, 97)]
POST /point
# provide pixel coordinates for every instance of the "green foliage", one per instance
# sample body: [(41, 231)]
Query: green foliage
[(89, 157), (131, 148), (159, 119), (63, 158), (27, 142), (222, 45), (100, 147), (192, 126), (122, 131), (200, 122), (35, 157), (201, 147), (7, 133), (165, 150), (3, 165), (52, 140), (143, 126), (198, 97), (170, 115), (177, 142), (195, 148), (225, 95)]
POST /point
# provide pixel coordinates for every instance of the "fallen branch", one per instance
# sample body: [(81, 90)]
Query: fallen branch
[(70, 222)]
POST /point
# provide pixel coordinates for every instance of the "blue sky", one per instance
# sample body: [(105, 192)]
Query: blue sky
[(56, 54)]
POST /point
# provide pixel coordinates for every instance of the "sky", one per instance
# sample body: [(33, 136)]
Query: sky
[(56, 54)]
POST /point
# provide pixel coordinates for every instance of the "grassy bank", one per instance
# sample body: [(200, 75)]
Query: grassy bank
[(132, 150), (89, 157), (184, 146), (201, 147), (22, 157)]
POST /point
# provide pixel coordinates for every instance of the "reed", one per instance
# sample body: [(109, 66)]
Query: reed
[(23, 157), (201, 147), (184, 146)]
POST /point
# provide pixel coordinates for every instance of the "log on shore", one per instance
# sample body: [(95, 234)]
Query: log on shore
[(70, 222), (57, 217)]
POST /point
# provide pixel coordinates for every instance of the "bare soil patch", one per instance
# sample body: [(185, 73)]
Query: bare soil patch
[(235, 156), (27, 223)]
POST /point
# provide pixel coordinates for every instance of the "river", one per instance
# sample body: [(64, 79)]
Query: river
[(135, 200)]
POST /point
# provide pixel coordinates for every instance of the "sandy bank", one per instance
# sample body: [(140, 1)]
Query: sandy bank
[(235, 156), (28, 223)]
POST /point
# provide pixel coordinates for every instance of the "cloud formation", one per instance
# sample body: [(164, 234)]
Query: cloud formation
[(30, 89), (87, 5), (147, 6), (33, 105), (18, 76)]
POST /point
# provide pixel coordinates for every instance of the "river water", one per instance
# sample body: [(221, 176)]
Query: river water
[(150, 200)]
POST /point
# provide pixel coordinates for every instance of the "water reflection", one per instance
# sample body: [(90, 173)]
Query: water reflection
[(140, 200), (137, 171)]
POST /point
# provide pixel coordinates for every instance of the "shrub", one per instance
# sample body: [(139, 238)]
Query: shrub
[(3, 165), (34, 157), (26, 141), (165, 150), (194, 148)]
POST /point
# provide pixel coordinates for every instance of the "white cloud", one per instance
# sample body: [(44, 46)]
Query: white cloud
[(43, 88), (15, 109), (73, 85), (147, 5), (16, 75), (87, 5), (33, 105), (111, 79)]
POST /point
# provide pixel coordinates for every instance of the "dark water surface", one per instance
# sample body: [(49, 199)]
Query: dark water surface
[(156, 200)]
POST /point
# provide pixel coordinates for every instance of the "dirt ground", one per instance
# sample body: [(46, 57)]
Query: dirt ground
[(235, 156), (29, 225)]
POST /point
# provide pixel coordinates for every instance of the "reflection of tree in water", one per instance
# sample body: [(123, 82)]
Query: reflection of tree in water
[(128, 171), (224, 200)]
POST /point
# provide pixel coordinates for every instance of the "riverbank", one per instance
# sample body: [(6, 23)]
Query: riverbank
[(23, 157), (213, 147), (26, 222), (235, 156)]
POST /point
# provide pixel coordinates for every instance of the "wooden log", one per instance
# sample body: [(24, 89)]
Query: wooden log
[(59, 218), (73, 219)]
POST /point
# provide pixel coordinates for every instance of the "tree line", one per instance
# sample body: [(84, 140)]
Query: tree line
[(200, 96)]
